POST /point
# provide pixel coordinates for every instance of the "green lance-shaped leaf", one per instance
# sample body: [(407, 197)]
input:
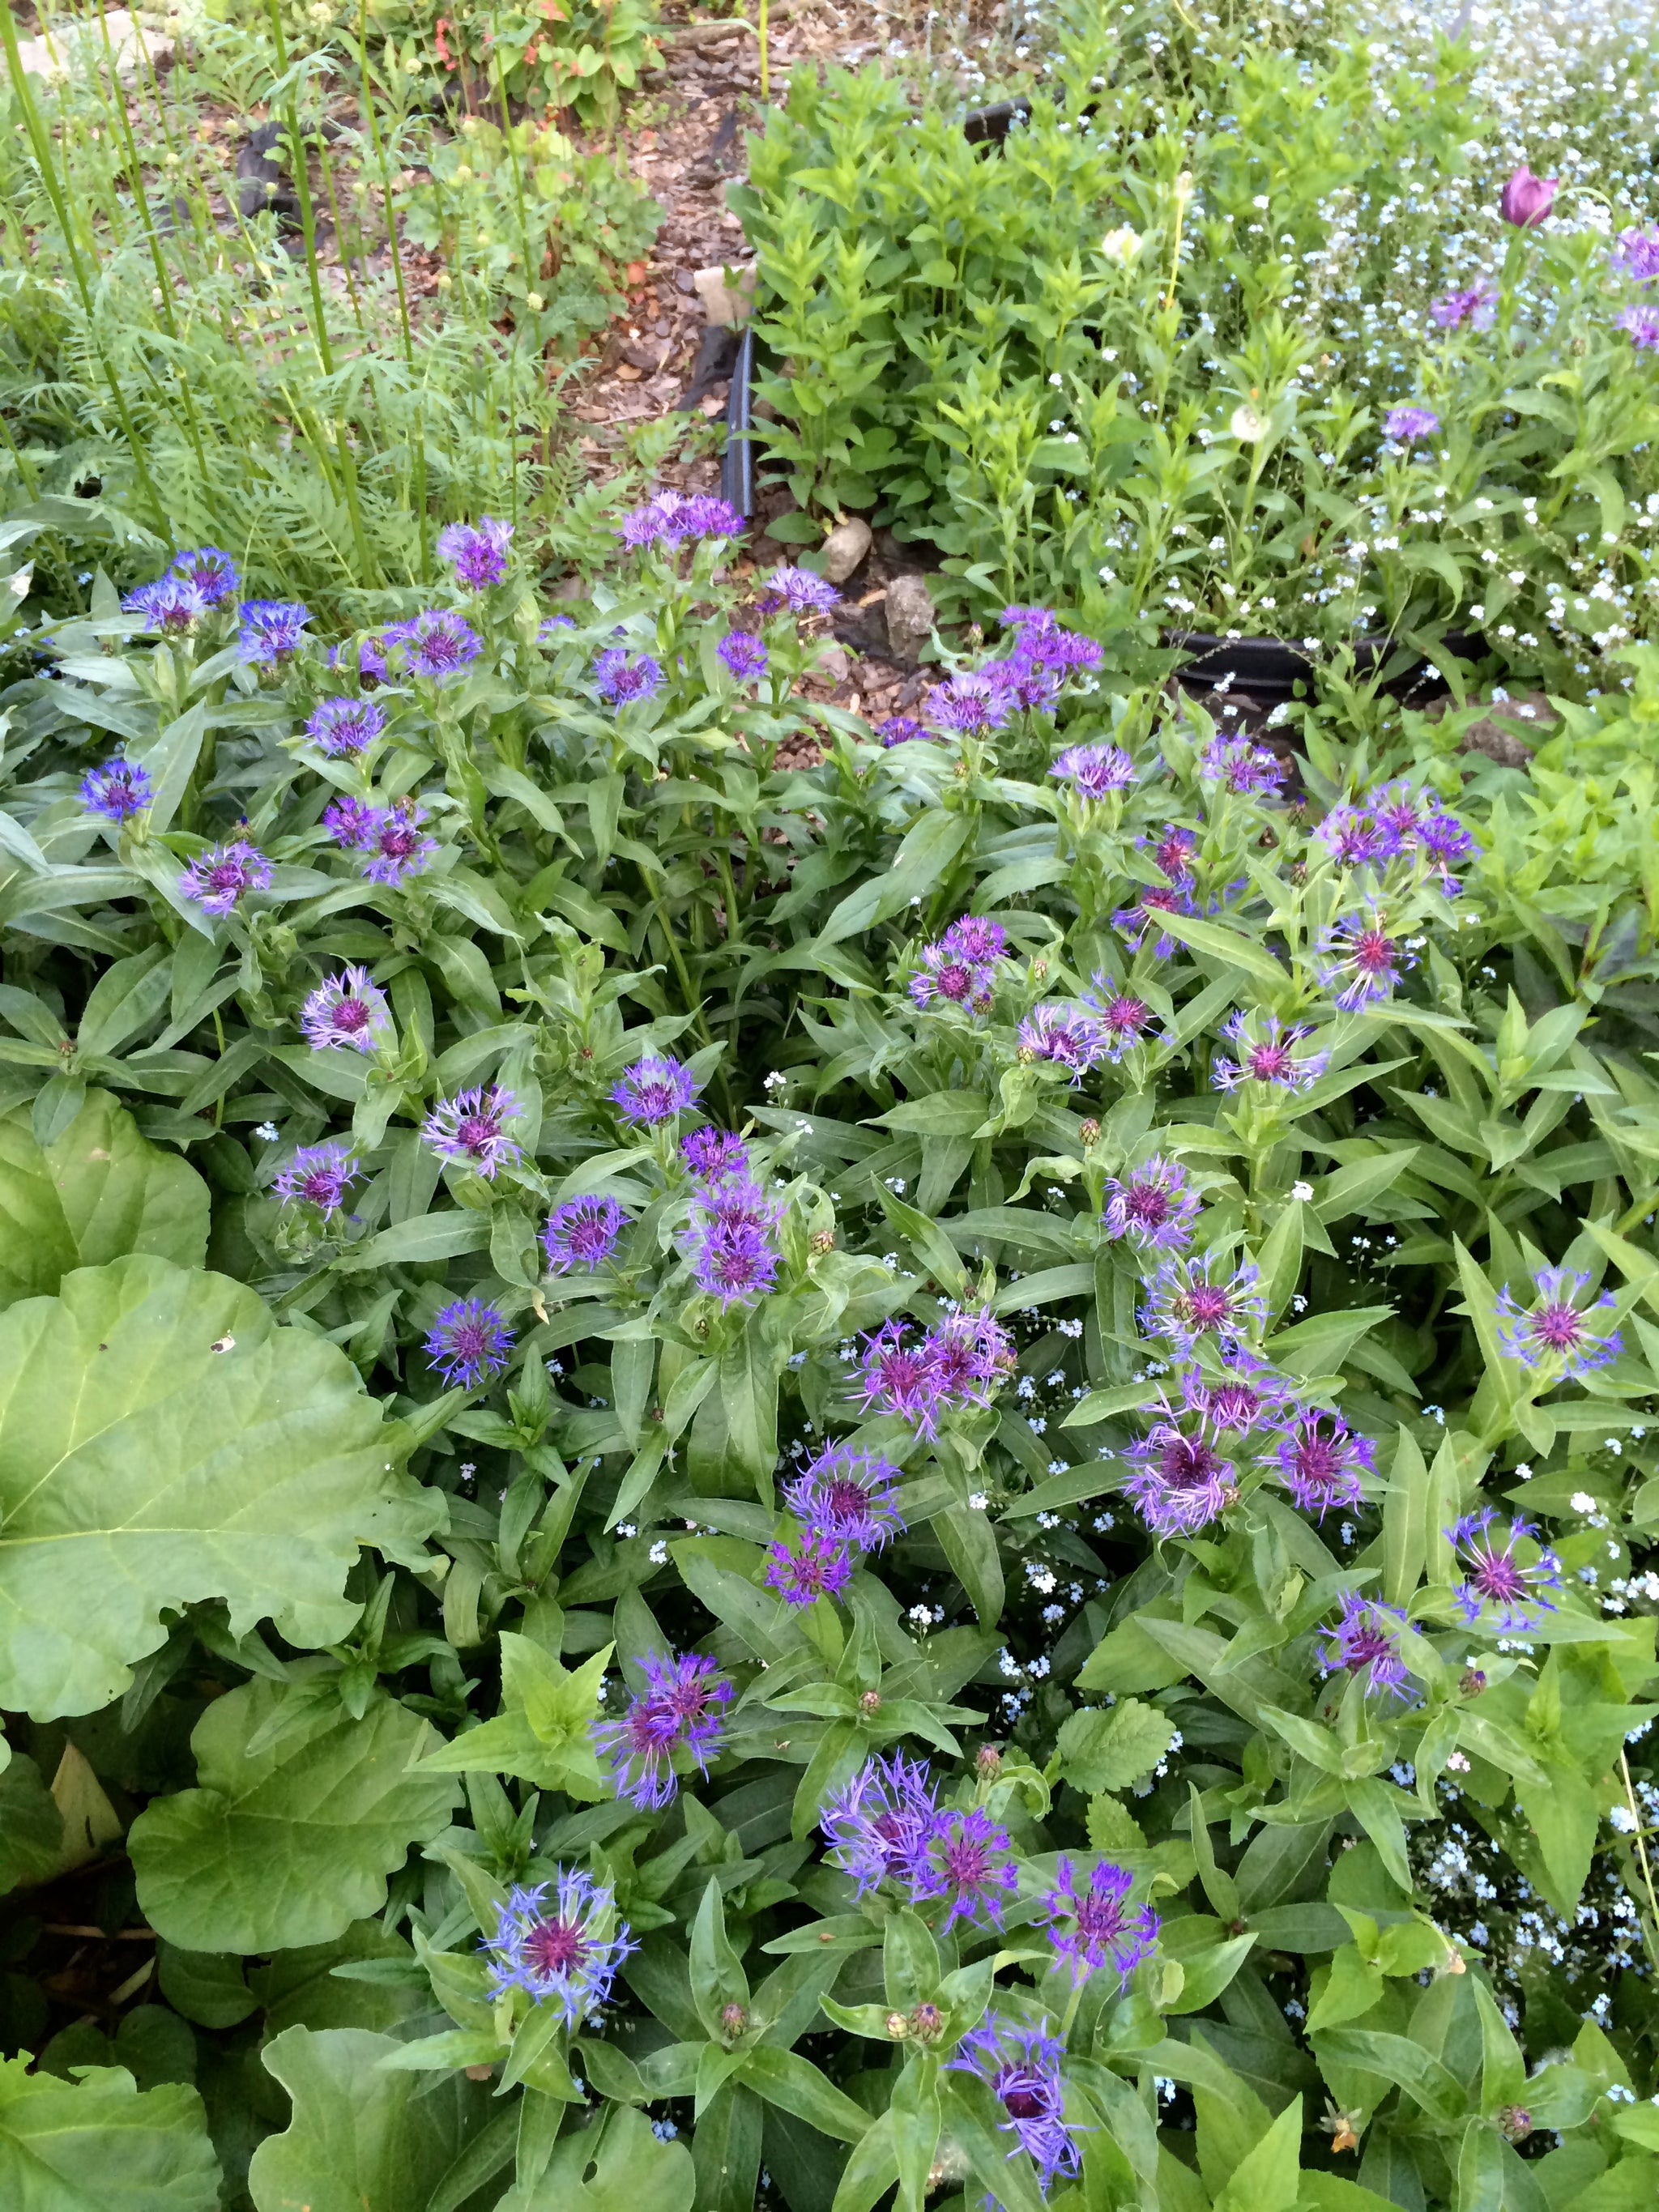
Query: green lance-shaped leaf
[(101, 2145), (544, 1732), (360, 2139), (289, 1843), (162, 1441), (98, 1193)]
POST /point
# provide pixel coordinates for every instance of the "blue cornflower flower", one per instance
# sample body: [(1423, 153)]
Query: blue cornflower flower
[(118, 790), (470, 1341), (272, 630), (567, 1957)]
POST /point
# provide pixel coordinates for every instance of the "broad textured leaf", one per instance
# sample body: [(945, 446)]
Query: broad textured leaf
[(618, 2165), (142, 1467), (290, 1845), (31, 1825), (101, 2145), (100, 1192), (1111, 1748)]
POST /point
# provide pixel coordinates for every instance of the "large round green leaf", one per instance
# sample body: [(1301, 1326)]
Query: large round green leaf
[(100, 1192), (360, 2140), (288, 1844), (102, 2145), (162, 1441)]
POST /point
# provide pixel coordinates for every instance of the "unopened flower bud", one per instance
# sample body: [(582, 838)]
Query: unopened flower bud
[(988, 1766), (927, 2022), (1040, 968), (897, 2027), (534, 302), (822, 1240), (870, 1701), (1470, 1682), (1516, 2122), (734, 2018), (1089, 1130)]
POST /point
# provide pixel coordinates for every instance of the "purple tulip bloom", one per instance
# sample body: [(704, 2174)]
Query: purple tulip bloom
[(1023, 2068), (1641, 326), (679, 1710), (712, 1154), (1636, 256), (567, 1958), (318, 1176), (477, 552), (1104, 1930), (470, 1341), (272, 631), (1560, 1334), (877, 1825), (471, 1130), (847, 1497), (812, 1568), (800, 590), (1365, 1642), (1153, 1206), (655, 1089), (344, 727), (438, 644), (170, 606), (968, 1862), (394, 846), (1266, 1053), (967, 705), (1475, 305), (1359, 960), (217, 879), (1526, 200), (1244, 768), (582, 1234), (1181, 1482), (619, 680), (1408, 424), (1066, 1035), (345, 1010), (901, 730), (743, 654), (1320, 1462), (212, 573), (1095, 772), (1204, 1296), (1495, 1578), (118, 790)]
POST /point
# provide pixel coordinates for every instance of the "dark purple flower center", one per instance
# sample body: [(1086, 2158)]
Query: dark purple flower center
[(1147, 1204), (1499, 1577), (955, 981), (1234, 1406), (555, 1947), (1319, 1461), (1203, 1305), (1270, 1063), (1188, 1463), (477, 1133), (1561, 1328), (1373, 952), (1366, 1644), (398, 839), (350, 1016), (1125, 1015)]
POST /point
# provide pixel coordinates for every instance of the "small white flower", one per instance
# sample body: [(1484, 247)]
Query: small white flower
[(1303, 1191)]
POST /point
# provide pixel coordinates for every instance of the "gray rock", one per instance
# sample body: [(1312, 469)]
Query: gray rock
[(909, 609), (844, 548)]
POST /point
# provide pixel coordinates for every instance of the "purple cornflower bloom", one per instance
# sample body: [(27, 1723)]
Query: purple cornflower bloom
[(318, 1176), (1064, 1034), (1095, 772), (1244, 768), (1641, 326), (735, 1261), (272, 630), (712, 1154), (1124, 1019), (346, 1009), (1358, 961), (1041, 640), (1181, 1481), (342, 727), (118, 790), (1445, 840), (214, 573), (968, 1860), (1204, 1296), (901, 730), (1266, 1053), (970, 1356), (847, 1497), (967, 705), (1153, 1205), (438, 644), (800, 590), (1104, 1930), (1397, 810), (619, 680), (879, 1823), (1558, 1334), (679, 1711), (567, 1958), (1355, 838), (350, 822), (1496, 1578), (1250, 1394), (1022, 2066), (471, 1130), (1028, 686), (1474, 305), (367, 658), (897, 1377), (668, 518), (468, 1342), (1135, 923), (814, 1568), (1635, 255), (395, 845), (655, 1089), (1526, 200), (582, 1233), (1365, 1641), (169, 606), (217, 879), (971, 937), (955, 974), (477, 552), (1320, 1462), (548, 630), (1172, 849), (745, 655), (1408, 424)]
